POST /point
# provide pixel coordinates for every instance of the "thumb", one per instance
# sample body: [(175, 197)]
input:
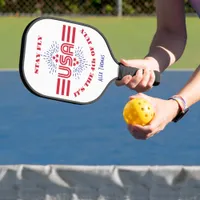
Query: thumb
[(133, 63), (151, 128)]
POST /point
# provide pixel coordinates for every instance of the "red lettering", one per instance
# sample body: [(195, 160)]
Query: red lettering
[(63, 60), (37, 55), (66, 49), (37, 60), (36, 69), (93, 64), (39, 43), (65, 73), (92, 51), (82, 89), (86, 36), (77, 93), (37, 65), (40, 38), (91, 75), (66, 60)]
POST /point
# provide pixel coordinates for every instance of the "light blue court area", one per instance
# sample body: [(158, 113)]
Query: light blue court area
[(40, 131)]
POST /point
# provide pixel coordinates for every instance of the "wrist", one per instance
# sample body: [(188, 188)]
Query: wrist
[(181, 107), (175, 107)]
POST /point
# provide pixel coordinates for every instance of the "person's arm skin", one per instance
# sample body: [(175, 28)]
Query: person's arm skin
[(170, 38), (166, 110), (167, 46), (191, 91)]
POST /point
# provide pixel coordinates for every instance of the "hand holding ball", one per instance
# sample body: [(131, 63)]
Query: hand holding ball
[(138, 111)]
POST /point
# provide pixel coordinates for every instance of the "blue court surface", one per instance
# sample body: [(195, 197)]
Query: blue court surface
[(40, 131)]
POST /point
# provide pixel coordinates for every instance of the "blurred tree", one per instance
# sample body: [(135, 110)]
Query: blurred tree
[(87, 7)]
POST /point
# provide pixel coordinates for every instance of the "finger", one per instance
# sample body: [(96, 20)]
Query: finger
[(124, 81), (133, 63), (151, 79), (158, 130), (155, 126), (148, 129), (140, 134), (152, 134), (130, 128), (147, 82), (136, 134), (129, 63), (136, 79), (146, 76)]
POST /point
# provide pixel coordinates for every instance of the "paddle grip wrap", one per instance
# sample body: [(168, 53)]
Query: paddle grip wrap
[(123, 71)]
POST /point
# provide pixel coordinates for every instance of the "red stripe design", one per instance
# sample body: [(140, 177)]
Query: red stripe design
[(58, 86), (68, 33), (68, 87), (73, 35), (63, 33), (63, 87)]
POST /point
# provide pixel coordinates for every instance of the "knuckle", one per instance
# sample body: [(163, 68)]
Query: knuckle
[(139, 76), (131, 86), (143, 84), (133, 83)]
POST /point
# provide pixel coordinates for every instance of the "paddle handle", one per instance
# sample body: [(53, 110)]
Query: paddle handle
[(123, 71)]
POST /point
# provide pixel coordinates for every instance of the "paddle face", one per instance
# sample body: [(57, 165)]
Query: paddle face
[(66, 61)]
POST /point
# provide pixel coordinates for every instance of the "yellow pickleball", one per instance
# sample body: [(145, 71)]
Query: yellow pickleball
[(138, 111)]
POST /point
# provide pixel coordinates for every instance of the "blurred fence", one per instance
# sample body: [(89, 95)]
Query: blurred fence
[(81, 7)]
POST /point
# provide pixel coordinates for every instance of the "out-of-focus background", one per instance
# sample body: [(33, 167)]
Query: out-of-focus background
[(41, 131), (128, 24)]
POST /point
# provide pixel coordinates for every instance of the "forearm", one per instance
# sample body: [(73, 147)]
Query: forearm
[(169, 41), (191, 91), (166, 48)]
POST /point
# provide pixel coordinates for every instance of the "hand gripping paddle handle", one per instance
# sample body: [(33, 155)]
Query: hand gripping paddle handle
[(123, 71)]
